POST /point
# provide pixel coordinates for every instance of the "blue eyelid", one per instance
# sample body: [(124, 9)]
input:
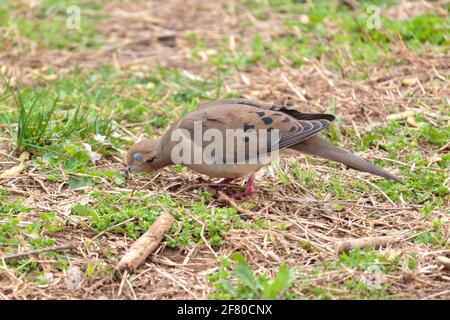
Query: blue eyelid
[(137, 156)]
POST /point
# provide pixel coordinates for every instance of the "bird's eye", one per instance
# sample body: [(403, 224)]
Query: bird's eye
[(137, 156)]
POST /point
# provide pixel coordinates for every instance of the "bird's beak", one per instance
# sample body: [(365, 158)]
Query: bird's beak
[(128, 171)]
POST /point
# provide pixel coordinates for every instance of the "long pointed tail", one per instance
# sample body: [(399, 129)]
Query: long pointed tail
[(317, 146)]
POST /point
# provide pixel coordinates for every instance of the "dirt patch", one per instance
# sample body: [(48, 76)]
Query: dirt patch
[(411, 9), (408, 85)]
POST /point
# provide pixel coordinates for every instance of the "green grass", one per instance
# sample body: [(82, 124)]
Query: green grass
[(368, 281), (39, 233), (44, 123), (72, 110), (237, 281), (48, 25), (405, 144), (311, 40), (194, 221)]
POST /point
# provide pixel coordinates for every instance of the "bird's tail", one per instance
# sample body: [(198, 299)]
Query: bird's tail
[(317, 146)]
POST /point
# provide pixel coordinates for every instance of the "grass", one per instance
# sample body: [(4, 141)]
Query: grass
[(78, 119), (48, 26), (371, 275), (38, 233), (194, 222), (32, 124), (249, 286), (309, 39)]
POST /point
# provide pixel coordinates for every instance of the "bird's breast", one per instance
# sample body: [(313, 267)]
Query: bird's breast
[(225, 170)]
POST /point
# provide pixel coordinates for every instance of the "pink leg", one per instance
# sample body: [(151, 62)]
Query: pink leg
[(250, 186)]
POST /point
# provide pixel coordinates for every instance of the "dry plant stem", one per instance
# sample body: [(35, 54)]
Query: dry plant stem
[(444, 261), (114, 226), (63, 247), (145, 245), (350, 244), (223, 197)]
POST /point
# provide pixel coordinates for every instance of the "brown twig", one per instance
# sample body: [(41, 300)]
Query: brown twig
[(444, 261), (115, 226), (17, 191), (68, 246), (444, 148), (352, 5), (145, 245), (223, 197), (347, 245)]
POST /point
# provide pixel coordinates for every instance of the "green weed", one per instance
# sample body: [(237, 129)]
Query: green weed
[(240, 282)]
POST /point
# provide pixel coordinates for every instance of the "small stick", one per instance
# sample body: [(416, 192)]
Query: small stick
[(293, 88), (11, 190), (68, 246), (114, 226), (231, 202), (146, 244), (353, 5), (347, 245), (39, 181), (445, 147), (444, 261), (122, 282)]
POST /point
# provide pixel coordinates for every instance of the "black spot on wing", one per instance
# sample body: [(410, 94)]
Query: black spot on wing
[(248, 127), (267, 120), (260, 113)]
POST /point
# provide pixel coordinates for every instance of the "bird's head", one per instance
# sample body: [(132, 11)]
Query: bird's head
[(144, 156)]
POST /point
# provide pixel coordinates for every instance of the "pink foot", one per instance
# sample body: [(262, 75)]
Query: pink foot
[(249, 188), (250, 185)]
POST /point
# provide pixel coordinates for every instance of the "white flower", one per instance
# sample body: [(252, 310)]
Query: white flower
[(99, 138), (270, 170), (93, 156), (87, 147)]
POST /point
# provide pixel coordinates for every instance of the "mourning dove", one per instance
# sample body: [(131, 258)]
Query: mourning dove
[(294, 131)]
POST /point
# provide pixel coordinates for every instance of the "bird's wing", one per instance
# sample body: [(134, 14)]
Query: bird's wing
[(290, 110), (230, 115), (313, 145)]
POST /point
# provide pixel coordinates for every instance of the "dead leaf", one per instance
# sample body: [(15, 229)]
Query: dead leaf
[(401, 116), (412, 122), (16, 170), (409, 81)]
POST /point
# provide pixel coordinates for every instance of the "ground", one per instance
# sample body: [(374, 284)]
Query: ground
[(76, 93)]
